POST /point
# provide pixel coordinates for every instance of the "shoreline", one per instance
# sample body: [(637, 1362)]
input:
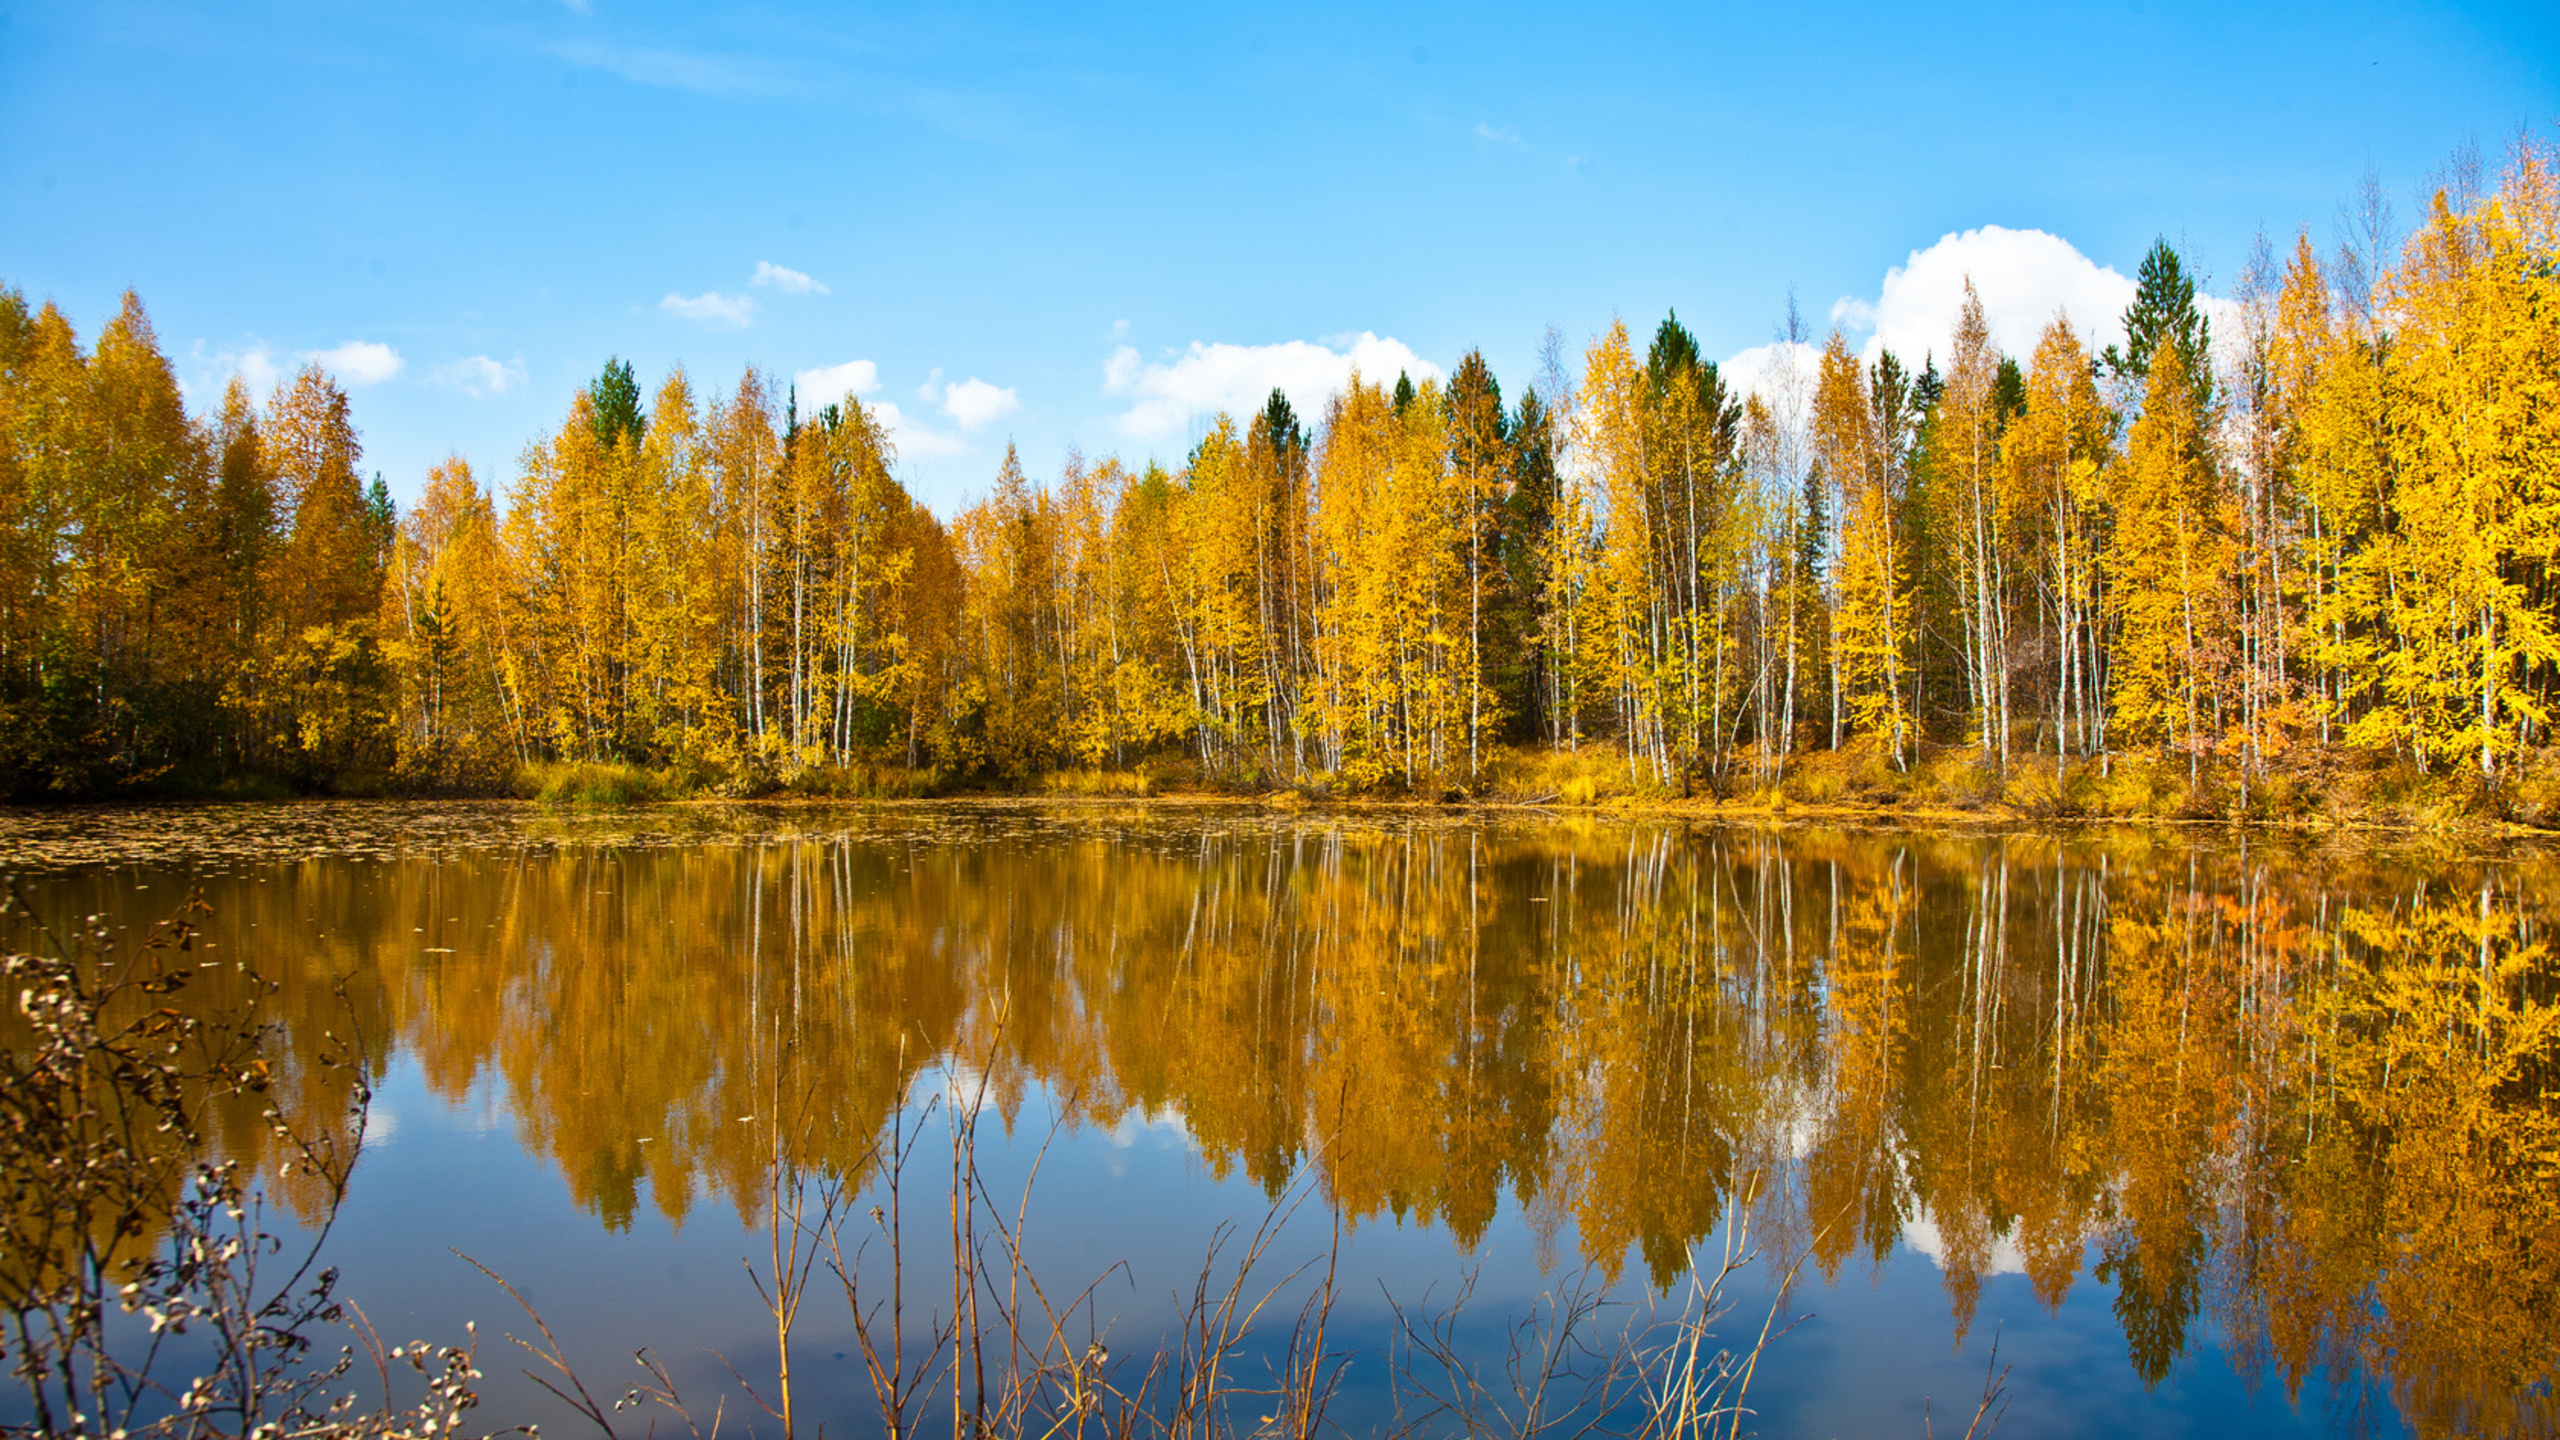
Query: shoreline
[(1988, 817)]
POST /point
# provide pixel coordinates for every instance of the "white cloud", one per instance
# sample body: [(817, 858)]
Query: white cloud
[(358, 362), (711, 308), (830, 383), (1763, 370), (1500, 134), (1205, 379), (2227, 331), (786, 279), (2024, 278), (975, 403), (255, 364), (913, 440), (480, 377)]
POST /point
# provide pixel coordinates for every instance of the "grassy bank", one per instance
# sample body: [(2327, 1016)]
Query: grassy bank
[(2330, 789), (2339, 788), (2336, 788)]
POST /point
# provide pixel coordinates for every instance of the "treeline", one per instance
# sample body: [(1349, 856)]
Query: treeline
[(2333, 528)]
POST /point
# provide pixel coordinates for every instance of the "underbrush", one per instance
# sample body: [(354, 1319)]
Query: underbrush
[(2306, 786), (595, 782), (1095, 783), (249, 787), (2533, 790), (863, 780), (1593, 774), (1860, 773)]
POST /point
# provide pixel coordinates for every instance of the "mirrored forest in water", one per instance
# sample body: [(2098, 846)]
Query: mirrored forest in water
[(2303, 1100)]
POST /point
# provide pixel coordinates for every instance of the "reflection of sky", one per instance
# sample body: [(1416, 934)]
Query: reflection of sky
[(1131, 1209)]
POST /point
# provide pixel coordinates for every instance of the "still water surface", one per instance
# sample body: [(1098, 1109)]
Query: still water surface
[(2209, 1135)]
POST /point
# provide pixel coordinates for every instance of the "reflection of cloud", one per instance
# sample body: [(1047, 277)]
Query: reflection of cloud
[(1206, 379), (1921, 1233), (711, 308), (358, 362), (2023, 276), (1166, 1126), (480, 377), (786, 279)]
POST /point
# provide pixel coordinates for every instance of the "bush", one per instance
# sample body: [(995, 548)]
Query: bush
[(2533, 790), (862, 780), (593, 782), (1860, 772), (1957, 776), (123, 1205), (1095, 783), (1537, 775), (2039, 789), (1812, 785)]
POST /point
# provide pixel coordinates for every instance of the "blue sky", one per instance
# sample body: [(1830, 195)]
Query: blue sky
[(1112, 224)]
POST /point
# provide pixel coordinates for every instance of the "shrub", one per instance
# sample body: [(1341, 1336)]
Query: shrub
[(2039, 789), (593, 782), (1538, 775), (1095, 783)]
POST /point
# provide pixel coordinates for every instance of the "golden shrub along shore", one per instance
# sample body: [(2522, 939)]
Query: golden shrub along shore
[(2296, 566), (1948, 786)]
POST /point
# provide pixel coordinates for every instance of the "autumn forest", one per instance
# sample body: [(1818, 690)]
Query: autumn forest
[(2328, 527)]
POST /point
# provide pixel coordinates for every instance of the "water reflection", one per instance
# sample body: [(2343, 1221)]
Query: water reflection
[(2305, 1102)]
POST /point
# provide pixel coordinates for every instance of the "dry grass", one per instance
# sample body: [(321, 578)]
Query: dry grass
[(1095, 783), (595, 782), (981, 1344), (118, 1217), (1594, 774), (863, 780)]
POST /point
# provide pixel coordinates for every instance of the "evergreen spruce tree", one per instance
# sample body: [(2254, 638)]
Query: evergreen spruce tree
[(1280, 421), (2164, 309), (616, 398), (2008, 392), (1530, 519)]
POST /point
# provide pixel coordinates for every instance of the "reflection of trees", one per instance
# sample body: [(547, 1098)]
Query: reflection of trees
[(2312, 1095), (2423, 1233)]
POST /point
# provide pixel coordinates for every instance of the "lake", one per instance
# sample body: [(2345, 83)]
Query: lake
[(2164, 1132)]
